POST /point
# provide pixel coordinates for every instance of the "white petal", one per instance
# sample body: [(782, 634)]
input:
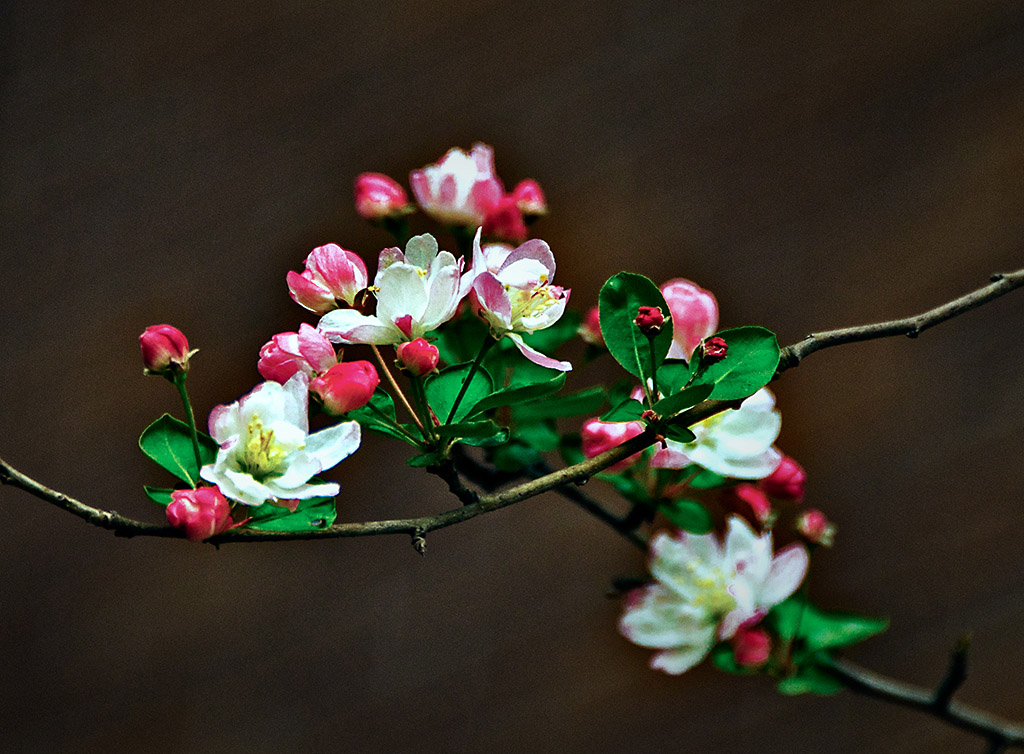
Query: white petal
[(403, 290), (536, 356), (676, 661), (304, 492), (421, 250), (250, 491), (329, 446), (658, 619), (789, 566), (349, 326), (748, 467)]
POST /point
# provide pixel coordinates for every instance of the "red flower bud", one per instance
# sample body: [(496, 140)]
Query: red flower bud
[(418, 357), (815, 527), (346, 386), (714, 349), (164, 350), (787, 481), (751, 647), (599, 436), (649, 319), (590, 329), (379, 196), (529, 198), (505, 221), (750, 502), (200, 513)]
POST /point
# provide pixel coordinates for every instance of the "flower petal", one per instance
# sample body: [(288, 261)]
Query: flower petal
[(656, 618), (331, 445), (787, 572), (349, 326), (677, 661), (536, 356)]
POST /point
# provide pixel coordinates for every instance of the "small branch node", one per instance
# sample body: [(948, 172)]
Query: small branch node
[(419, 542), (995, 277), (956, 674)]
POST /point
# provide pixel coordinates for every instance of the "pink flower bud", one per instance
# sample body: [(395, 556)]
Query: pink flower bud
[(200, 513), (590, 330), (418, 357), (379, 196), (787, 481), (164, 350), (714, 349), (751, 647), (750, 502), (346, 386), (815, 527), (694, 315), (505, 221), (599, 436), (529, 198), (306, 351), (332, 274), (649, 319)]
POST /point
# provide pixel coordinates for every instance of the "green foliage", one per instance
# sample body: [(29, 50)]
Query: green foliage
[(539, 435), (585, 402), (681, 401), (723, 658), (688, 515), (630, 410), (619, 300), (550, 338), (168, 442), (672, 375), (627, 485), (814, 630), (161, 495), (679, 434), (433, 458), (706, 479), (749, 364), (443, 388), (459, 340), (810, 678), (310, 515), (379, 416), (514, 456), (525, 392)]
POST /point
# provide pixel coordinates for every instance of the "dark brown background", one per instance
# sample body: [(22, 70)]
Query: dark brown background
[(814, 164)]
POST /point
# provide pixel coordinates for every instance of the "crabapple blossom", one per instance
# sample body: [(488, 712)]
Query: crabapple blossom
[(714, 350), (416, 291), (266, 452), (331, 274), (751, 647), (735, 443), (306, 351), (379, 196), (750, 502), (460, 188), (200, 513), (649, 319), (518, 297), (590, 328), (164, 350), (599, 436), (787, 481), (815, 527), (694, 315), (418, 357), (529, 198), (346, 386), (705, 591), (505, 221)]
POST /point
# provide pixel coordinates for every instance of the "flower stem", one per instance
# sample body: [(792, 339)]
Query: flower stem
[(393, 424), (420, 397), (398, 390), (653, 397), (179, 382), (488, 342)]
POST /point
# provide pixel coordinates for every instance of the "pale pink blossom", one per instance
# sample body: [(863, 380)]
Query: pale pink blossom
[(200, 513), (306, 351), (694, 315), (379, 196), (705, 591), (460, 188), (164, 350), (331, 274), (599, 436), (416, 291)]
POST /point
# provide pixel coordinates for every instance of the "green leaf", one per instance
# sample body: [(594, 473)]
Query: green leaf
[(795, 619), (443, 388), (688, 515), (539, 435), (630, 410), (310, 515), (682, 401), (619, 300), (570, 449), (515, 456), (631, 488), (512, 395), (810, 679), (580, 403), (749, 364), (434, 458), (550, 338), (367, 417), (161, 495), (707, 479), (672, 375), (459, 340), (477, 429), (169, 442), (679, 434), (723, 658)]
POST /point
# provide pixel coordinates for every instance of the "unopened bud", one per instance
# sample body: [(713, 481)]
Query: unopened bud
[(200, 513), (505, 221), (787, 481), (346, 386), (815, 527), (529, 198), (590, 329), (751, 647), (164, 350), (379, 196), (649, 319), (714, 349), (750, 502), (418, 357)]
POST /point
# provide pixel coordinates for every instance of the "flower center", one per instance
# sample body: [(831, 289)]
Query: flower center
[(261, 455), (714, 596), (532, 301)]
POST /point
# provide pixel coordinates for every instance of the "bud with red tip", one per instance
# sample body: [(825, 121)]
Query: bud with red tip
[(164, 350), (750, 502), (787, 481), (529, 198), (346, 386), (599, 436), (306, 351), (505, 221), (751, 647), (332, 274), (714, 349), (200, 513), (649, 319), (590, 329), (418, 357), (379, 196), (815, 527)]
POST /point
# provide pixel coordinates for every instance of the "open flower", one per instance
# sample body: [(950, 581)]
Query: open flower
[(694, 315), (705, 591), (518, 297), (306, 351), (461, 188), (736, 443), (416, 291), (266, 451), (331, 274)]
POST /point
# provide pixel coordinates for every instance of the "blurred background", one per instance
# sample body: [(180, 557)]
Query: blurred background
[(815, 165)]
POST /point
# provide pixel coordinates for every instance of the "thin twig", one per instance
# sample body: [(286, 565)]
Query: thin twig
[(398, 390)]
